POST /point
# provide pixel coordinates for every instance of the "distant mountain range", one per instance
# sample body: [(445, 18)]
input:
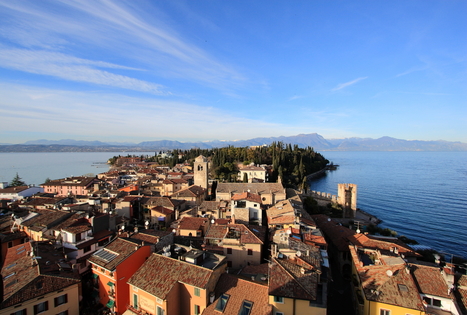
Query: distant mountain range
[(303, 140)]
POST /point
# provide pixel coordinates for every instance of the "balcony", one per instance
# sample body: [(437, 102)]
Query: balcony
[(138, 310)]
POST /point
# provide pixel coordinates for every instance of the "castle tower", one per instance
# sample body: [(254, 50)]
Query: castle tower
[(201, 172), (347, 198)]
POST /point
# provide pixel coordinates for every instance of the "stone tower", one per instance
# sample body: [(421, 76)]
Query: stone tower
[(347, 198), (201, 172)]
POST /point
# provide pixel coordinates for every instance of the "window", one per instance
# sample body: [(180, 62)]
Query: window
[(279, 299), (222, 302), (197, 310), (63, 313), (135, 300), (41, 307), (10, 244), (246, 308), (160, 311), (384, 312), (22, 312), (432, 302), (87, 249), (250, 252), (229, 264), (62, 299), (229, 251), (197, 293)]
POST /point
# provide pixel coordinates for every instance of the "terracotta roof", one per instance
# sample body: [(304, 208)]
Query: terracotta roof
[(192, 223), (45, 218), (461, 293), (72, 181), (430, 281), (114, 253), (162, 210), (192, 191), (75, 224), (160, 201), (286, 279), (23, 281), (13, 189), (390, 284), (369, 241), (258, 188), (240, 290), (282, 212), (247, 196), (216, 232), (159, 274), (210, 205)]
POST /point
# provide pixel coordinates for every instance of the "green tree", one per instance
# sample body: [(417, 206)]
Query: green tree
[(17, 181)]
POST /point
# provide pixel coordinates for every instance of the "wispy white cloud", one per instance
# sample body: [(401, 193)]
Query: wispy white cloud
[(346, 84), (295, 97), (73, 69), (411, 70), (117, 30), (105, 116)]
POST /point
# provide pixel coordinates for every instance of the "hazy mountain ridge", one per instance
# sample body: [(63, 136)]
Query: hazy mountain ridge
[(318, 142)]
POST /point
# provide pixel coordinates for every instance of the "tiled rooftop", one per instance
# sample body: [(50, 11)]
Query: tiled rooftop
[(257, 188), (159, 274), (293, 279), (192, 223), (26, 277), (114, 253), (430, 281), (240, 290), (247, 196)]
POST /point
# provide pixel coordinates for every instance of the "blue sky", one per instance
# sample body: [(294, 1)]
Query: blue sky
[(132, 71)]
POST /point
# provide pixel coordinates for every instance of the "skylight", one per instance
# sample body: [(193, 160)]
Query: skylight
[(246, 308), (222, 302), (106, 255)]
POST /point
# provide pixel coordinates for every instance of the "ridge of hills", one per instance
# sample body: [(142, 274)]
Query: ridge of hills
[(318, 142)]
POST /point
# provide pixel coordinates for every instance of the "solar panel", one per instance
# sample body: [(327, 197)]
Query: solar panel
[(105, 255)]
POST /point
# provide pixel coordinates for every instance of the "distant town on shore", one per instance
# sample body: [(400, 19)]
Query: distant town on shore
[(232, 230)]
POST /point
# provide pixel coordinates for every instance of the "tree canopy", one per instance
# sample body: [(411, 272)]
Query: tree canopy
[(17, 181)]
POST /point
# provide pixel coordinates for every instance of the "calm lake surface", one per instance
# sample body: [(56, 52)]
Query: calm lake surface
[(422, 195), (36, 167)]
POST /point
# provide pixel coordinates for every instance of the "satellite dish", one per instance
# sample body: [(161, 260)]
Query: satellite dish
[(389, 273), (298, 253), (146, 222), (358, 231), (213, 221)]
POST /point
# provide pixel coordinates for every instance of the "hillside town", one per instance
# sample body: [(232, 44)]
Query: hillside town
[(145, 238)]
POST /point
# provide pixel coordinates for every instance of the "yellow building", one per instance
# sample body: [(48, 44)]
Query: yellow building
[(383, 284), (180, 281), (294, 288)]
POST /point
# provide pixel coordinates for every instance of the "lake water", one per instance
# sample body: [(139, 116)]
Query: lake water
[(36, 167), (422, 195)]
